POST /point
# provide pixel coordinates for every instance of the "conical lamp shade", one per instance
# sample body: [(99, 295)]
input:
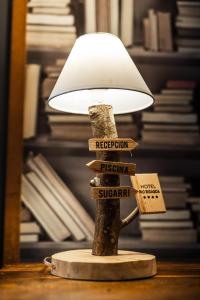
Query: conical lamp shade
[(99, 70)]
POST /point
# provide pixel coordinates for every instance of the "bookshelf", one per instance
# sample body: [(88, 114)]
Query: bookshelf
[(165, 159), (43, 144), (38, 251)]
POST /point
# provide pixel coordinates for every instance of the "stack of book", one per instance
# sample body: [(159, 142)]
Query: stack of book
[(29, 232), (173, 120), (158, 31), (176, 225), (52, 204), (188, 26), (77, 128), (50, 24)]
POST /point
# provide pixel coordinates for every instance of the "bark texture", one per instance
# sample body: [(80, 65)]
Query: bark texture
[(107, 222)]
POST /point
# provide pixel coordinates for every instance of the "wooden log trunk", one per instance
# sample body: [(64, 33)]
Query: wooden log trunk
[(107, 222)]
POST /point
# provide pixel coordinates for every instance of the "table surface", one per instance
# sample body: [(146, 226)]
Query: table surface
[(174, 280)]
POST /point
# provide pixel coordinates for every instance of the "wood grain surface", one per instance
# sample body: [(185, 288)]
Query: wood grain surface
[(14, 138), (174, 281), (81, 264), (149, 197)]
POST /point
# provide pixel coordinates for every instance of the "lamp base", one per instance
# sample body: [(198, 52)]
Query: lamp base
[(81, 264)]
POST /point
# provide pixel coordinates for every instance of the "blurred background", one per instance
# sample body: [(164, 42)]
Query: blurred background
[(50, 209)]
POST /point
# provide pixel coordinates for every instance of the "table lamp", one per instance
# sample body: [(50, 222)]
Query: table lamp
[(99, 78)]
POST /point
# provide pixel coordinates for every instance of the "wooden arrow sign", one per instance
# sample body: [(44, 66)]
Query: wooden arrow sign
[(117, 144), (110, 167), (113, 192)]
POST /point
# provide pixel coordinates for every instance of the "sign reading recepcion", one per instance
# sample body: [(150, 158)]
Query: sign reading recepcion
[(112, 144), (149, 197)]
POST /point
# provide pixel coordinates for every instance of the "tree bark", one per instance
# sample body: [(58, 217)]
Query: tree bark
[(107, 222)]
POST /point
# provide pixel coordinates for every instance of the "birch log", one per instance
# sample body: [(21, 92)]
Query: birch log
[(107, 222)]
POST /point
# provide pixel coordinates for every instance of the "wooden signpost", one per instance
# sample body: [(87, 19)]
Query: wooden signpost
[(112, 144), (149, 197), (105, 262), (103, 192), (110, 167)]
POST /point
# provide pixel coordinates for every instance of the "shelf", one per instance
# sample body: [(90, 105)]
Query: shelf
[(140, 55), (38, 251), (45, 145)]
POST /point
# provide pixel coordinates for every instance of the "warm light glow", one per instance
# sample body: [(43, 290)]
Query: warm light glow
[(100, 70)]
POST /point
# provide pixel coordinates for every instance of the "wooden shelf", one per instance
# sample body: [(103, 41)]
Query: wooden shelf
[(45, 145), (38, 251), (140, 55)]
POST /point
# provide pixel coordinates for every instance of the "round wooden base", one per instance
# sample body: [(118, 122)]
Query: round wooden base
[(81, 264)]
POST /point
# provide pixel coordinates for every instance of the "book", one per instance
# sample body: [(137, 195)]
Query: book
[(31, 100), (171, 138), (70, 203), (50, 19), (171, 179), (56, 205), (173, 97), (188, 22), (188, 8), (47, 87), (103, 15), (174, 236), (146, 29), (51, 10), (42, 212), (174, 92), (193, 200), (28, 238), (196, 207), (153, 21), (166, 224), (188, 42), (50, 28), (25, 215), (175, 200), (127, 22), (84, 119), (53, 4), (48, 39), (165, 31), (188, 32), (82, 132), (170, 127), (29, 228), (114, 17), (169, 118), (179, 84), (170, 215), (189, 50), (178, 187), (174, 109), (90, 16)]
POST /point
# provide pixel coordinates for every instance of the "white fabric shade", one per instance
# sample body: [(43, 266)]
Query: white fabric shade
[(99, 70)]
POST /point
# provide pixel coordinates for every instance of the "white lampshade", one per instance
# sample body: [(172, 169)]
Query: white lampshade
[(99, 70)]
